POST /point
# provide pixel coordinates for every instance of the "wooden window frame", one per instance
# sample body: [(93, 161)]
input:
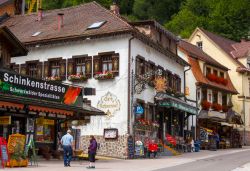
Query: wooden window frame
[(28, 65), (140, 67)]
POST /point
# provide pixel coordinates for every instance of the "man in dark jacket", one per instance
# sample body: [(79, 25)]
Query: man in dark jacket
[(92, 152)]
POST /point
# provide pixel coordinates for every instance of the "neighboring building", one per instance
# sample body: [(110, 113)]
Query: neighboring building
[(11, 7), (208, 81), (235, 56), (90, 46)]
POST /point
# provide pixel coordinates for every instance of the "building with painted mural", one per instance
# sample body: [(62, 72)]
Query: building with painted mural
[(209, 83), (90, 46), (235, 55)]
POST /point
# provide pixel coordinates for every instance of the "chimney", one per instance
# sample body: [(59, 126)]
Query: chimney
[(40, 14), (60, 21), (115, 9)]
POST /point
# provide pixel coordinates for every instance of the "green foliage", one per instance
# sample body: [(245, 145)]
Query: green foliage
[(228, 18)]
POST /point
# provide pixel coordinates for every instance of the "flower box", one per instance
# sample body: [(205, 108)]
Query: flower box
[(76, 78), (216, 107), (53, 78), (211, 77), (205, 105), (104, 75)]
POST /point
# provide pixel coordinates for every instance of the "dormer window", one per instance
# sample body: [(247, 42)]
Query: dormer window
[(199, 44), (222, 74), (208, 71)]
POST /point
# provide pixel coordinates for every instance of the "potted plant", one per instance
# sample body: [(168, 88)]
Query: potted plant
[(224, 108), (205, 105), (53, 78)]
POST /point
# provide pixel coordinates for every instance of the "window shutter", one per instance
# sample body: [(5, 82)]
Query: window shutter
[(46, 69), (39, 70), (62, 64), (15, 67), (23, 69), (97, 64), (71, 67), (115, 63), (88, 65)]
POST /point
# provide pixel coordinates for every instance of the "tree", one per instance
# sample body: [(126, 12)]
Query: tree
[(228, 18)]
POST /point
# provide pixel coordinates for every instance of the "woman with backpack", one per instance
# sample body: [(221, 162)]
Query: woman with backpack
[(92, 152)]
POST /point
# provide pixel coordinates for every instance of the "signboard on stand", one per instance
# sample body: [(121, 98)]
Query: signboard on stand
[(130, 147)]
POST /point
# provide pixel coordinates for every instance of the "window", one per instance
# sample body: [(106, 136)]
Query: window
[(248, 63), (107, 64), (55, 68), (96, 25), (204, 94), (80, 66), (32, 70), (140, 66), (36, 34), (151, 113), (199, 44), (222, 74), (215, 97), (208, 71), (215, 72), (224, 100), (106, 61)]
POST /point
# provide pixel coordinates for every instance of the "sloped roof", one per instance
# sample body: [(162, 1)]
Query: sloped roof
[(225, 44), (4, 2), (241, 49), (76, 21), (196, 52), (201, 79)]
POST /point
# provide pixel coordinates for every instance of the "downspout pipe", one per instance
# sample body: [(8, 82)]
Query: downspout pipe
[(130, 91), (189, 67)]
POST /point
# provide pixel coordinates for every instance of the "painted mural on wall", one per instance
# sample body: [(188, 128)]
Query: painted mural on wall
[(109, 104)]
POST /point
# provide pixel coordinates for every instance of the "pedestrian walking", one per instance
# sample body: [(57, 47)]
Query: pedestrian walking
[(67, 142), (92, 152)]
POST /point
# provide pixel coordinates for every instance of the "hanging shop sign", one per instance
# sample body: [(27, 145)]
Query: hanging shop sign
[(186, 108), (139, 109), (19, 85), (109, 104), (160, 84), (5, 120)]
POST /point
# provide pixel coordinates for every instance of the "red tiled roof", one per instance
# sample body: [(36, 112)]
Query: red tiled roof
[(2, 2), (196, 52), (201, 79), (76, 21)]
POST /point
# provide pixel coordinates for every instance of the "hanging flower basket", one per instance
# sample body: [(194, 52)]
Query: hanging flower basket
[(104, 75), (75, 78)]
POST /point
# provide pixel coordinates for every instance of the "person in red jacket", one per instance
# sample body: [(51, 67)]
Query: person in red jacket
[(152, 148)]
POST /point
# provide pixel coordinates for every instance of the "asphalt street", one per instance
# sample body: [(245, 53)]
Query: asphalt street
[(226, 162)]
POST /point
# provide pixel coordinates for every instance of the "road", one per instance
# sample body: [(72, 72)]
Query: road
[(221, 160), (226, 162)]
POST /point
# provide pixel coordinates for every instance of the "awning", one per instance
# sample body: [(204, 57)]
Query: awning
[(50, 110), (213, 115), (165, 100), (11, 105), (234, 118)]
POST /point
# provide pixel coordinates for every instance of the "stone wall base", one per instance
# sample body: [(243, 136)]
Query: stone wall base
[(108, 147)]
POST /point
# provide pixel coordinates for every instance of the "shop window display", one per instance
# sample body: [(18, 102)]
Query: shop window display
[(45, 130)]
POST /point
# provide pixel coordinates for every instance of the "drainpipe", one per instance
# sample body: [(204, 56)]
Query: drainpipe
[(130, 93), (189, 67)]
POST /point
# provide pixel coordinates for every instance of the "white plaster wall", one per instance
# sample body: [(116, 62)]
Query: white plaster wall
[(117, 86), (159, 59), (190, 83)]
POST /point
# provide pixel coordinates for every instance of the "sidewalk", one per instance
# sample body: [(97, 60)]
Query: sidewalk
[(245, 167), (131, 165)]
